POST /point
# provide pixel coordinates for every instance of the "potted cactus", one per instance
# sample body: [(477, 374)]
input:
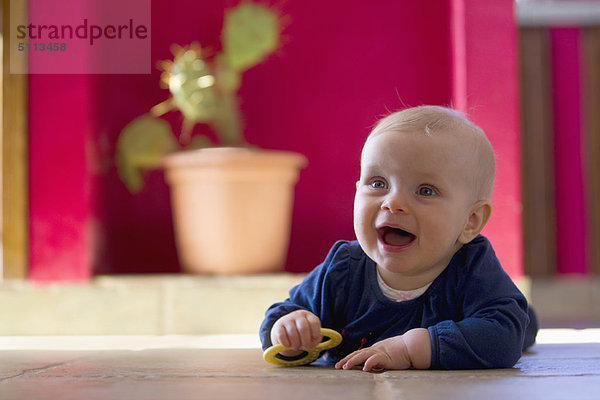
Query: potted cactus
[(231, 202)]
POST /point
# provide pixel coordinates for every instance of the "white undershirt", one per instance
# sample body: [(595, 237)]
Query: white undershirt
[(399, 295)]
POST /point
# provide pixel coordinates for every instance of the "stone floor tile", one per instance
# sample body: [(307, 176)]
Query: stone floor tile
[(548, 372)]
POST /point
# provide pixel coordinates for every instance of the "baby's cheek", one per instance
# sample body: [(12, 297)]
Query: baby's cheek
[(361, 222)]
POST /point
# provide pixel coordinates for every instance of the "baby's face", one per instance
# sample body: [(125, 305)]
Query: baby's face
[(412, 202)]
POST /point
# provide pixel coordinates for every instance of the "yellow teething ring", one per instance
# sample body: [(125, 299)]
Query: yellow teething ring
[(334, 339)]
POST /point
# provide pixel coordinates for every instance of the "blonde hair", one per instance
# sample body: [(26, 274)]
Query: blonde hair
[(437, 120)]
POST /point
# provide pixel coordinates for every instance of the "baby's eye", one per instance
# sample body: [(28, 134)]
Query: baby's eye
[(426, 191), (378, 184)]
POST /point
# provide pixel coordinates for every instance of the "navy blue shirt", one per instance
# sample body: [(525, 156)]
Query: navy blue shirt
[(476, 316)]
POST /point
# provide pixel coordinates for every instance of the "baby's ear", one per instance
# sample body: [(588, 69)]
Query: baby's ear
[(480, 214)]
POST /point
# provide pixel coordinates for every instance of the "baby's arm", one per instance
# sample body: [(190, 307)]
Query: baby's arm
[(298, 329), (413, 349), (321, 294)]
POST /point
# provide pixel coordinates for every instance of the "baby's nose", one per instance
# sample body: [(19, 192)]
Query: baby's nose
[(394, 203)]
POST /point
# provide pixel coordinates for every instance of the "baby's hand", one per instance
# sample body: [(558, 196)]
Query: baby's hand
[(413, 349), (298, 329)]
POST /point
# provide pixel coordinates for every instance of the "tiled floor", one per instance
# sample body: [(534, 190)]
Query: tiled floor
[(202, 363), (161, 369)]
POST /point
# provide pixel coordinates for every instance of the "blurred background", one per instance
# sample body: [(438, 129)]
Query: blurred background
[(76, 244)]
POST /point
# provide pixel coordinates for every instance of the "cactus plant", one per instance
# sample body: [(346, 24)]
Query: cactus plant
[(204, 89)]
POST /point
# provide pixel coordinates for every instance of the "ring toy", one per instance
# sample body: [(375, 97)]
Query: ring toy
[(271, 354)]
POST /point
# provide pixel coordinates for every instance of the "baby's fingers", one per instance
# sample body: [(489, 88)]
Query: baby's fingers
[(285, 333), (376, 363), (306, 331), (280, 336), (340, 364), (353, 359), (315, 329)]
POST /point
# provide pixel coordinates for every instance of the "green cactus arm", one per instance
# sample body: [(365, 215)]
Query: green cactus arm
[(250, 33), (191, 82), (142, 145), (199, 142), (228, 78), (229, 125)]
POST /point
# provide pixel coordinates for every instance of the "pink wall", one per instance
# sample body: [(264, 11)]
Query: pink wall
[(568, 162), (59, 186), (340, 68), (486, 88)]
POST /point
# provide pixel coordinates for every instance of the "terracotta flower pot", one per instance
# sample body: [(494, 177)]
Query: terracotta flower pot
[(232, 208)]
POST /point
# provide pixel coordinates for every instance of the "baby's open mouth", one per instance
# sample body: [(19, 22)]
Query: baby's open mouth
[(395, 236)]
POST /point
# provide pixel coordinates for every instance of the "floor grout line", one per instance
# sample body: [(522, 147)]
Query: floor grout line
[(36, 371)]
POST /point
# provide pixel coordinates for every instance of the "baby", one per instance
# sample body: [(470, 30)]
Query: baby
[(421, 288)]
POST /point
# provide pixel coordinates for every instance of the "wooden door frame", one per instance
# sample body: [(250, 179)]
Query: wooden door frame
[(14, 224)]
